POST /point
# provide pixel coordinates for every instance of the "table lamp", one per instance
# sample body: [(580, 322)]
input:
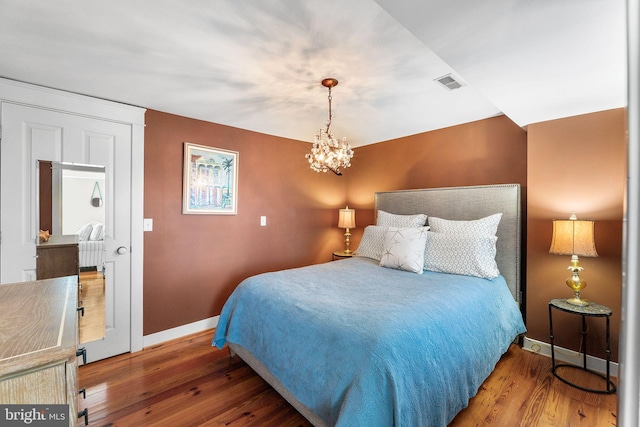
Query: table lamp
[(347, 219), (574, 237)]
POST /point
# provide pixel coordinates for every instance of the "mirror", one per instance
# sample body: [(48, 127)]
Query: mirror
[(71, 226)]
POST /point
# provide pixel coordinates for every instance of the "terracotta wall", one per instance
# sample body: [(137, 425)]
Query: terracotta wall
[(491, 151), (193, 262), (576, 164)]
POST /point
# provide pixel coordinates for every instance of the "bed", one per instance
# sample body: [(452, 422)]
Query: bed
[(351, 342), (91, 254), (91, 246)]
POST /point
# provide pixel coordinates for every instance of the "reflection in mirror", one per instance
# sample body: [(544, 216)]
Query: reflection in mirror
[(68, 196), (71, 236), (91, 326)]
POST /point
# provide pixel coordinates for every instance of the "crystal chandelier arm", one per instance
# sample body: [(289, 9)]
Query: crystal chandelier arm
[(334, 171)]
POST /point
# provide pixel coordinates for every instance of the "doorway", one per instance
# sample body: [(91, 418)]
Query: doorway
[(81, 130)]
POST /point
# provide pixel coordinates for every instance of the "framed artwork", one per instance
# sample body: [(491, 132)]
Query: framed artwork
[(210, 180)]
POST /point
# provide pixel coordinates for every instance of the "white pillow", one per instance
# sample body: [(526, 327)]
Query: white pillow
[(372, 242), (387, 219), (98, 232), (404, 248), (487, 226), (461, 254), (85, 232)]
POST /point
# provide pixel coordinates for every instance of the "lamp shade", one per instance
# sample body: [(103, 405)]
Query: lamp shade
[(347, 218), (573, 237)]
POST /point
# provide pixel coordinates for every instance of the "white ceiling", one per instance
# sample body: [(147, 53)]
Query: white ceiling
[(257, 64)]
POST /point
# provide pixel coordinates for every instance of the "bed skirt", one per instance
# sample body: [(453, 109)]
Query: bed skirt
[(261, 370)]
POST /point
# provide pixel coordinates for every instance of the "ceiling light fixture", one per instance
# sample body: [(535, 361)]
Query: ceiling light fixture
[(327, 152)]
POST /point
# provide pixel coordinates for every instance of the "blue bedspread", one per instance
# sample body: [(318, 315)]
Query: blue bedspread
[(363, 345)]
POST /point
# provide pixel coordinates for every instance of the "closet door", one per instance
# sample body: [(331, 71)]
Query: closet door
[(30, 134)]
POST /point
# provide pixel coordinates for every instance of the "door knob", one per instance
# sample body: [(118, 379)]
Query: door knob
[(121, 250)]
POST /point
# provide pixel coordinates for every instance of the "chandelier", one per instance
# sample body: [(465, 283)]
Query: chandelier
[(327, 152)]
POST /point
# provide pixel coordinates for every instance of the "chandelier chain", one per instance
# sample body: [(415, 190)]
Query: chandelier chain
[(330, 115)]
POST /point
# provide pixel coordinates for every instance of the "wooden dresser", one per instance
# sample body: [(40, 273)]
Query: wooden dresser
[(57, 257), (38, 343)]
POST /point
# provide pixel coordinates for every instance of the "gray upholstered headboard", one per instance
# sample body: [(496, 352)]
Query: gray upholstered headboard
[(466, 203)]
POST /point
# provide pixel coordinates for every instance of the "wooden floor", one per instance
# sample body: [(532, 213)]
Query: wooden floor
[(91, 297), (189, 383)]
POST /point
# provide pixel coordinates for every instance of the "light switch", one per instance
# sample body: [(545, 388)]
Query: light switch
[(147, 224), (263, 221)]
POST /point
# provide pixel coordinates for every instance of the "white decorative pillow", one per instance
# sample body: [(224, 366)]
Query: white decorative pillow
[(372, 242), (404, 248), (85, 232), (461, 254), (487, 226), (387, 219), (97, 233)]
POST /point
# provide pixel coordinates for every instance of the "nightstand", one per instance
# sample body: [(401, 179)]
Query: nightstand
[(591, 310), (341, 255)]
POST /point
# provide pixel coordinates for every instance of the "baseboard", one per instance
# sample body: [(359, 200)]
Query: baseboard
[(569, 356), (535, 346), (180, 331)]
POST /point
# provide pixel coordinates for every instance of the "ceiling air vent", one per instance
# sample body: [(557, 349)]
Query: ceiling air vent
[(449, 82)]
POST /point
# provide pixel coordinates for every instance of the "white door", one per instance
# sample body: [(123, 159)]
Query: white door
[(30, 134)]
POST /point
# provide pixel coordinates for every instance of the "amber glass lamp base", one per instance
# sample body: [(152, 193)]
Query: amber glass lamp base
[(576, 283)]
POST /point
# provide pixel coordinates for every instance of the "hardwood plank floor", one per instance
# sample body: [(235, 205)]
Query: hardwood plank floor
[(91, 325), (187, 382)]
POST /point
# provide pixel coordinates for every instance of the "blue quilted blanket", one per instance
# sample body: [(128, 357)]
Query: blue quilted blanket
[(363, 345)]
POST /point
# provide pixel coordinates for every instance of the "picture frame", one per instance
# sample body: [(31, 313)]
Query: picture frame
[(210, 180)]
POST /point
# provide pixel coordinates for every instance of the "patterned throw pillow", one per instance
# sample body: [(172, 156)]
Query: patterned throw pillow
[(372, 242), (387, 219), (404, 248), (97, 233), (487, 226), (461, 254)]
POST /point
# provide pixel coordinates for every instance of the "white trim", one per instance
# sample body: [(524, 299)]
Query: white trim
[(569, 356), (44, 97), (629, 388), (137, 237), (181, 331)]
